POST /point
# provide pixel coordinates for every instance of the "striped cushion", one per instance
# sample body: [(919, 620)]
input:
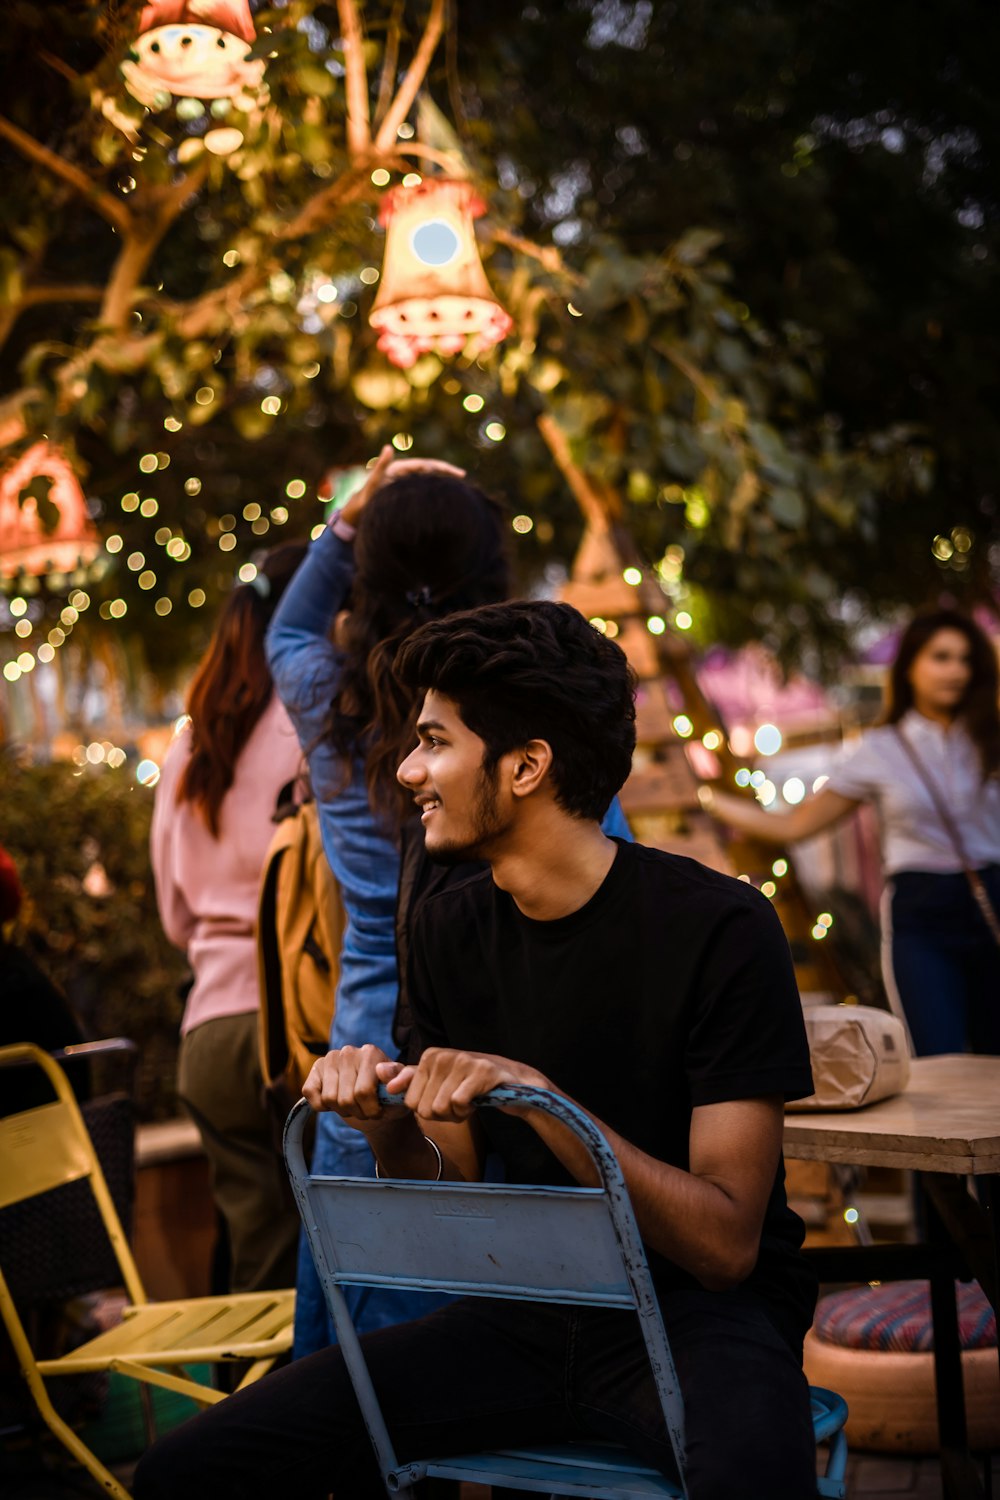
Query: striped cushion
[(897, 1316)]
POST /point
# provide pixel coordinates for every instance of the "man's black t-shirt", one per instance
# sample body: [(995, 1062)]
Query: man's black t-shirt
[(671, 988)]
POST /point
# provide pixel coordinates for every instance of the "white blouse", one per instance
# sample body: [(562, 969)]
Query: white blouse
[(913, 836)]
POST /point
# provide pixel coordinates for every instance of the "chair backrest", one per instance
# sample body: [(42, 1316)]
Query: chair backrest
[(47, 1147), (553, 1244)]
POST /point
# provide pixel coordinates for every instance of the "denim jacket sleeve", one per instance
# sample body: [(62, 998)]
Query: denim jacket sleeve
[(304, 662)]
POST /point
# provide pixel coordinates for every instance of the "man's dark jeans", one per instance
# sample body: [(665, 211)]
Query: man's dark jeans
[(484, 1374)]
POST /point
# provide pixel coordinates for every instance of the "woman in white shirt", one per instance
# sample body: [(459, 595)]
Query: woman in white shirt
[(932, 771)]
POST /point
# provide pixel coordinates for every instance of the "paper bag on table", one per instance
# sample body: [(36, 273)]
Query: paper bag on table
[(858, 1055)]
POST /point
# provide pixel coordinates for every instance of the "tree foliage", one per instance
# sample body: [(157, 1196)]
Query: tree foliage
[(751, 264), (79, 840)]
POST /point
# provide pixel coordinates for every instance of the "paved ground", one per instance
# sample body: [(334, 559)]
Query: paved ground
[(870, 1477)]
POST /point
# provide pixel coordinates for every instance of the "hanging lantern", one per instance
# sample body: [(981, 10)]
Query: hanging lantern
[(433, 293), (194, 49), (44, 533)]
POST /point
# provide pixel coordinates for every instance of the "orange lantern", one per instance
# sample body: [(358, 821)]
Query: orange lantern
[(434, 295), (194, 49), (27, 543)]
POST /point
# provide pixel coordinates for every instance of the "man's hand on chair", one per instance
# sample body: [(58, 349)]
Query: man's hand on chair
[(443, 1085), (346, 1081)]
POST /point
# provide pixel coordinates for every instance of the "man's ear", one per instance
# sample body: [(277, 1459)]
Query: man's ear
[(531, 764)]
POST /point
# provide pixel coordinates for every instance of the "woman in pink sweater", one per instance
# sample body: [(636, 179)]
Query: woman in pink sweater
[(211, 830)]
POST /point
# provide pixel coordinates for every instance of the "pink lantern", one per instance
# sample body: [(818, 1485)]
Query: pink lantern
[(27, 544), (194, 49), (434, 295)]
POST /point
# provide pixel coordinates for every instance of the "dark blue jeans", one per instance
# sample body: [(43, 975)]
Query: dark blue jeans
[(481, 1374), (945, 962)]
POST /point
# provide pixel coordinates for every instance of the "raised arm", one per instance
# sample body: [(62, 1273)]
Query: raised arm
[(810, 817), (304, 662)]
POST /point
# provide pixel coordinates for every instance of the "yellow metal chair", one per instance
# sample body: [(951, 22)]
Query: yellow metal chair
[(47, 1146)]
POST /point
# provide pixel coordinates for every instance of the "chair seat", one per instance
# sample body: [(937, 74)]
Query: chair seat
[(246, 1325), (604, 1468), (565, 1469)]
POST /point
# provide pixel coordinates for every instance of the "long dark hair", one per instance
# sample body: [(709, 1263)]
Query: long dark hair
[(232, 685), (427, 545), (979, 709)]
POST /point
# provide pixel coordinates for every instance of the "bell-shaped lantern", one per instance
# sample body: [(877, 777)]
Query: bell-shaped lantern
[(48, 531), (194, 49), (433, 293)]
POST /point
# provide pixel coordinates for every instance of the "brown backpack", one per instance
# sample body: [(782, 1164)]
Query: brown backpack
[(300, 928)]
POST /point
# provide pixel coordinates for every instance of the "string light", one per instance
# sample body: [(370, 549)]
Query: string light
[(656, 624), (632, 577), (793, 790), (712, 740), (496, 432), (683, 620), (192, 486), (473, 403), (768, 739), (295, 489), (779, 868)]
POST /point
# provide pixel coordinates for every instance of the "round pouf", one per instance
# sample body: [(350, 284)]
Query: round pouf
[(874, 1345)]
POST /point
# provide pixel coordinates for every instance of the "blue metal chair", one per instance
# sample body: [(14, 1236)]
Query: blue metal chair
[(550, 1244)]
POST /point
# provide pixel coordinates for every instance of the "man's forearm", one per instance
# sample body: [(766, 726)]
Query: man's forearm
[(690, 1220), (402, 1150)]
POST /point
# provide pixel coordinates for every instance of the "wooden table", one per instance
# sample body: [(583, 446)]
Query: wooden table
[(946, 1127)]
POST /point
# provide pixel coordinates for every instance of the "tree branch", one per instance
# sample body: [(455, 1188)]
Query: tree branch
[(358, 128), (596, 509), (390, 61), (102, 202), (547, 256), (320, 209), (702, 384), (415, 75), (57, 64)]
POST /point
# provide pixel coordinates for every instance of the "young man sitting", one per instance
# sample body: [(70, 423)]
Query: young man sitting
[(657, 994)]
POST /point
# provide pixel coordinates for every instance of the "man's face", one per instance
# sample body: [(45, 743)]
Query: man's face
[(460, 803)]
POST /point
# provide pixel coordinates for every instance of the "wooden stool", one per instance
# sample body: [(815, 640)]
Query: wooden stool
[(874, 1344)]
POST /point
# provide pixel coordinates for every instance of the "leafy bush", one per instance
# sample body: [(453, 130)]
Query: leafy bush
[(80, 840)]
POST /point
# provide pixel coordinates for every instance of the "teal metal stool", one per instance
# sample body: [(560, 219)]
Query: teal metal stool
[(545, 1244)]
